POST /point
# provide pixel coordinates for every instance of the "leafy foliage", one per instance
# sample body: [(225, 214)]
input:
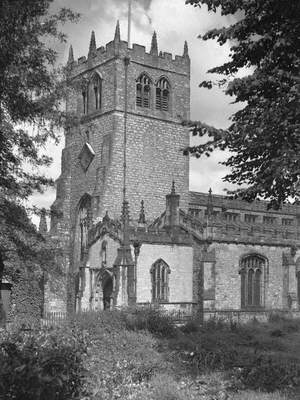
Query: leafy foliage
[(264, 136), (119, 361), (31, 95), (44, 365), (150, 319)]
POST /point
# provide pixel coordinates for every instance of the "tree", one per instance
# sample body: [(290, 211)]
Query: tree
[(31, 94), (264, 136)]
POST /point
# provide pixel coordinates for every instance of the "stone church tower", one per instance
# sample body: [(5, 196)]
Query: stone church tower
[(91, 180), (186, 251)]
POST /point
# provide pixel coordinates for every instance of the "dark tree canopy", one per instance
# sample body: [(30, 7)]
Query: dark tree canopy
[(264, 136), (31, 94)]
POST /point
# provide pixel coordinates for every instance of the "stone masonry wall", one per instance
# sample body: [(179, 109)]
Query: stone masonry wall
[(228, 280), (180, 261)]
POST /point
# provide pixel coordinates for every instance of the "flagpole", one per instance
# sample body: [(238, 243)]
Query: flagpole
[(129, 22)]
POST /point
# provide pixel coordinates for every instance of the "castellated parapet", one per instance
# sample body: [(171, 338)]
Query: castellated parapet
[(137, 54)]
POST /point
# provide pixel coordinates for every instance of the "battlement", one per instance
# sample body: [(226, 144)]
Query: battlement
[(118, 48)]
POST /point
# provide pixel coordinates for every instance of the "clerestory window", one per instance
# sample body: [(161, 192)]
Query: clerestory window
[(143, 91), (163, 95), (253, 271), (160, 281)]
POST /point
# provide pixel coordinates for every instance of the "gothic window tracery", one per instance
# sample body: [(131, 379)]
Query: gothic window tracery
[(160, 281), (92, 94), (163, 95), (84, 215), (253, 270), (97, 87), (143, 91)]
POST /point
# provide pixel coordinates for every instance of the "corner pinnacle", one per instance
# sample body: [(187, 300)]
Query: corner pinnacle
[(154, 47), (92, 48), (142, 218), (117, 32), (186, 50), (71, 55), (173, 191)]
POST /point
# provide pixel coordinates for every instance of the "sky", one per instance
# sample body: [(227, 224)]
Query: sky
[(174, 22)]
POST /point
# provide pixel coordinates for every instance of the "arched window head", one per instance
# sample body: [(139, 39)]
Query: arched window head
[(160, 281), (94, 93), (143, 91), (163, 95), (253, 272), (83, 221), (97, 86)]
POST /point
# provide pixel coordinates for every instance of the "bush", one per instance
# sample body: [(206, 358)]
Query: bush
[(119, 361), (191, 326), (44, 365), (152, 320), (268, 373), (214, 358)]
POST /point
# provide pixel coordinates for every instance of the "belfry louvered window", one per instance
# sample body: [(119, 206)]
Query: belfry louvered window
[(253, 273), (160, 281), (163, 95), (97, 86), (143, 91)]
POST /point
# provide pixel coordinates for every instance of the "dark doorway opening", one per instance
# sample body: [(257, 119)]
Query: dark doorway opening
[(107, 291)]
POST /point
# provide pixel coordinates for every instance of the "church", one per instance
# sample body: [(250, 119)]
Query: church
[(130, 231)]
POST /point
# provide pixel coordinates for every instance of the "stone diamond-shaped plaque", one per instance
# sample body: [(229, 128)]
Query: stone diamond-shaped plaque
[(86, 156)]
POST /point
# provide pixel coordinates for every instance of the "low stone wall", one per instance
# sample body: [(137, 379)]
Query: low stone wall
[(243, 316)]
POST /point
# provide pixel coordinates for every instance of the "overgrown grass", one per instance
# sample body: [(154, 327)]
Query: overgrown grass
[(251, 395), (140, 355), (261, 356)]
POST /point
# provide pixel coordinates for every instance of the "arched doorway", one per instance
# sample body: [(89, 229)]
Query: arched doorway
[(103, 291), (107, 287)]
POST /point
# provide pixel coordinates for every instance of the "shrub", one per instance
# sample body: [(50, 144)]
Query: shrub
[(149, 319), (267, 373), (191, 326), (118, 361), (44, 365), (216, 358)]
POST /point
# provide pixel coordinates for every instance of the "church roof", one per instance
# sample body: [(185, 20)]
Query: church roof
[(225, 203)]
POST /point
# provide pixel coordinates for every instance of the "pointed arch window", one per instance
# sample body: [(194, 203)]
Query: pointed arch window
[(143, 91), (163, 95), (97, 86), (160, 281), (253, 273), (94, 94), (84, 218), (84, 100)]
